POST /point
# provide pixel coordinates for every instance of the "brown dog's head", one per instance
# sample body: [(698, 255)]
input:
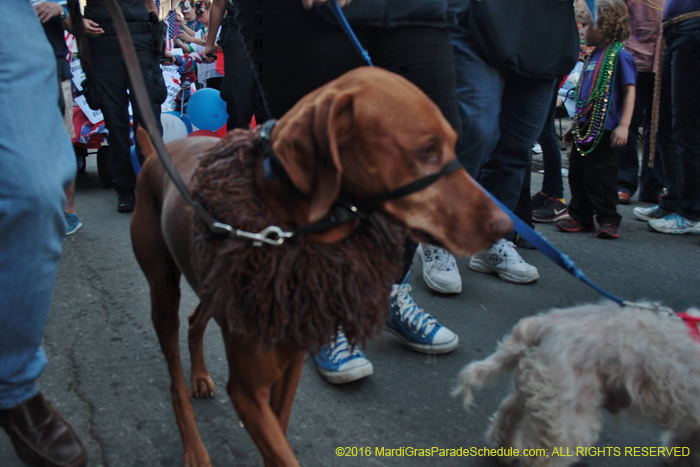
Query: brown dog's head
[(371, 131)]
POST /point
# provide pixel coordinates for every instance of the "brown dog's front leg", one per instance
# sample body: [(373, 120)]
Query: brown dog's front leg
[(202, 385), (251, 375), (284, 390)]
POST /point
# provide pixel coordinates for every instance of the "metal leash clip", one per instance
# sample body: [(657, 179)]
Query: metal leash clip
[(271, 235)]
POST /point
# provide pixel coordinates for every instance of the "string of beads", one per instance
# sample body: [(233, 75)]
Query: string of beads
[(594, 109)]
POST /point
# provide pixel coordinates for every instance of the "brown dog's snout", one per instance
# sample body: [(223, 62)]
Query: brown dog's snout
[(500, 224)]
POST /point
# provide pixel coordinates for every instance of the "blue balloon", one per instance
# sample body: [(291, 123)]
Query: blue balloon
[(206, 109), (184, 118), (135, 160)]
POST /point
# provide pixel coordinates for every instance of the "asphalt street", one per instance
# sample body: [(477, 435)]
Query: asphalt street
[(106, 373)]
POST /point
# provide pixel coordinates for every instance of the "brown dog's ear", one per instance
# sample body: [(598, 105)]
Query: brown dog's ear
[(305, 141), (144, 142)]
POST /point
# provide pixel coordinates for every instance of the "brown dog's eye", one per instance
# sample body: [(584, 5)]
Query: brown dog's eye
[(431, 152)]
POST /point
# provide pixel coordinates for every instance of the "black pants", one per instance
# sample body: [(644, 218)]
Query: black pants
[(303, 51), (593, 184), (239, 88), (109, 75)]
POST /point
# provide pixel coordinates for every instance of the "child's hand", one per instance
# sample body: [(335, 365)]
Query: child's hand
[(186, 37), (619, 137), (567, 137)]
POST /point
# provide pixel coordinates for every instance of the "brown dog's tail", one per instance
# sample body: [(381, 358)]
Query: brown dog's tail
[(144, 142), (525, 335)]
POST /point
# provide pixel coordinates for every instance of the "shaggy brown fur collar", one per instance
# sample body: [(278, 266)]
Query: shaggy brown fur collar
[(296, 294)]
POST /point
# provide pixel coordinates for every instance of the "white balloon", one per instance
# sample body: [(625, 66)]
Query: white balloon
[(173, 127)]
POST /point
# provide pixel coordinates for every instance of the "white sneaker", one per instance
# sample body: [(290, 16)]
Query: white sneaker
[(440, 269), (647, 214), (536, 148), (675, 224), (503, 260)]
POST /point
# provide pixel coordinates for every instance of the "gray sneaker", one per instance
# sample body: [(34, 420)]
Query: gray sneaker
[(647, 214), (440, 269), (502, 259)]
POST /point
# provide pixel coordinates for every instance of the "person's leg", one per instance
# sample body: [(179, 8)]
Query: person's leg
[(239, 88), (629, 158), (423, 55), (681, 72), (111, 80), (580, 207), (36, 163), (524, 107), (552, 183), (666, 144), (683, 43), (155, 85), (651, 179), (601, 182), (479, 93), (34, 170), (551, 208)]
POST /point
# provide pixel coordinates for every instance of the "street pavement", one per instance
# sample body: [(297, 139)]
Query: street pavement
[(106, 373)]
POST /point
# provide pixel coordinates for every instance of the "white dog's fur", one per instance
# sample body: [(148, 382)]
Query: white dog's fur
[(570, 363)]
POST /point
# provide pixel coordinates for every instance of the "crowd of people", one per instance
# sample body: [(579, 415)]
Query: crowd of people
[(498, 107)]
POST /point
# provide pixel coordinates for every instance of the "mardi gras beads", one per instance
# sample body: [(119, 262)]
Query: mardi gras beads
[(595, 108)]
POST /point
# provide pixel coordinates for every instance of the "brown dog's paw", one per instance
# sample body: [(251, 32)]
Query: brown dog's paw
[(202, 387), (196, 458)]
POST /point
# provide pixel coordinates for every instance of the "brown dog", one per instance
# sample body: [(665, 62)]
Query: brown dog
[(360, 136)]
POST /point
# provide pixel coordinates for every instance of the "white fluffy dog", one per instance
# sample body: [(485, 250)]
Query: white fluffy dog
[(570, 363)]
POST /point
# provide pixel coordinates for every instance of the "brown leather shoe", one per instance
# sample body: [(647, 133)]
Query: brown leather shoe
[(623, 197), (41, 437)]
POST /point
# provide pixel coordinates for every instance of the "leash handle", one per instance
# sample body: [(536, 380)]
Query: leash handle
[(343, 21)]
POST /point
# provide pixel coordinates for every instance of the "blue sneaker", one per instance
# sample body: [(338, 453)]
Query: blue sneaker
[(339, 364), (417, 329), (72, 223)]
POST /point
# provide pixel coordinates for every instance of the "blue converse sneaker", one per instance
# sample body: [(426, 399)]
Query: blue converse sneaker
[(417, 329), (72, 223), (339, 364)]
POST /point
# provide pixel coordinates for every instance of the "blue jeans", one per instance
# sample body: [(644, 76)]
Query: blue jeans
[(679, 119), (502, 115), (36, 163)]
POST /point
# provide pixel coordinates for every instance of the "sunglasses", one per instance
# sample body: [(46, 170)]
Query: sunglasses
[(200, 8)]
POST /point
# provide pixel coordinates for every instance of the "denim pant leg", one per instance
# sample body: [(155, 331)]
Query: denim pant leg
[(479, 93), (679, 119), (524, 106), (683, 51), (552, 183), (36, 163)]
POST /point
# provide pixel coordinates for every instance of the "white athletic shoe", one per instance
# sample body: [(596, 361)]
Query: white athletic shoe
[(503, 260), (440, 269)]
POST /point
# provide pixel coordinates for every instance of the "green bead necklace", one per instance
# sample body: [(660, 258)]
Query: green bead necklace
[(597, 104)]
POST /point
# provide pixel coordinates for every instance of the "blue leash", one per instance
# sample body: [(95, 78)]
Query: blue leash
[(342, 20), (559, 258)]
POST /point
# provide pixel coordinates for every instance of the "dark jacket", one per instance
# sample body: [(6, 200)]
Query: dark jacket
[(133, 11), (392, 13)]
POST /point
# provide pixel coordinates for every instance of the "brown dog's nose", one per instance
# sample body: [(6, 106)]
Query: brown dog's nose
[(500, 224)]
